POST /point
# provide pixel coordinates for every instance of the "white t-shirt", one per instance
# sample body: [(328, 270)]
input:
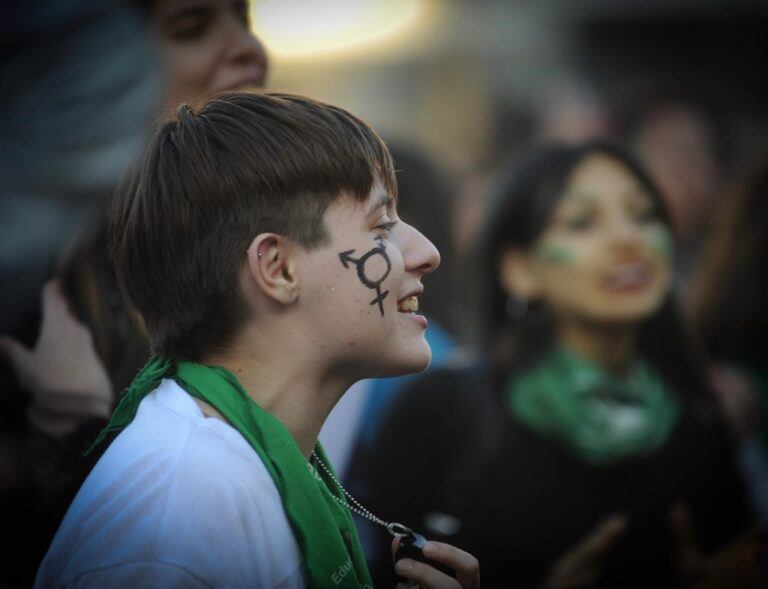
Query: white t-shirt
[(177, 500)]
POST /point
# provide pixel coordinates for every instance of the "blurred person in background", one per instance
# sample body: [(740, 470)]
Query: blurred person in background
[(90, 344), (683, 138), (514, 126), (78, 89), (729, 294), (586, 449)]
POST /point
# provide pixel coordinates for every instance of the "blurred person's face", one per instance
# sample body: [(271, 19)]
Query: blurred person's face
[(676, 146), (208, 47), (604, 256)]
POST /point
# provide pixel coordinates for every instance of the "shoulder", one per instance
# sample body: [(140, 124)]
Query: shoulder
[(183, 490), (222, 514)]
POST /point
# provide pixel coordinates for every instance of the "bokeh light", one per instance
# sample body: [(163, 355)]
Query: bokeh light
[(298, 29)]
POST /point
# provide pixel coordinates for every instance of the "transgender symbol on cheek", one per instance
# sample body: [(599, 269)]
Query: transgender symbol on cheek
[(369, 281)]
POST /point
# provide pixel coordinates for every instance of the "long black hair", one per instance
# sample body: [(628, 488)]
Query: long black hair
[(514, 333)]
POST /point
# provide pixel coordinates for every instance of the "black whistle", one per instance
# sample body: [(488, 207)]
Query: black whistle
[(410, 547)]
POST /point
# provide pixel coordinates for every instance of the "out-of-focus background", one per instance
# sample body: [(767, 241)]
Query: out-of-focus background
[(678, 82), (470, 81)]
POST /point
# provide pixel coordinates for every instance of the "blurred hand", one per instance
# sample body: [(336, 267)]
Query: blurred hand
[(582, 565), (422, 575), (737, 397), (63, 373), (735, 565)]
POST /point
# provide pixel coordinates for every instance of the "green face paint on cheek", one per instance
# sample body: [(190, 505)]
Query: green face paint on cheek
[(554, 254), (661, 241)]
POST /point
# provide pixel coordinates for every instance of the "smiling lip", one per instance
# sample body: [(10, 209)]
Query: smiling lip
[(409, 304), (420, 319), (254, 79), (628, 277)]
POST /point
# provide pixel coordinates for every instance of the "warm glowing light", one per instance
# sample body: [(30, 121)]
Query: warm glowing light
[(296, 28)]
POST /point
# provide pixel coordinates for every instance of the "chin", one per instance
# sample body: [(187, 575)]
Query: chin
[(418, 361), (414, 367), (627, 309), (625, 314)]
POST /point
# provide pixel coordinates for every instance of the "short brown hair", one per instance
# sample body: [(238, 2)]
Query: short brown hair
[(214, 176)]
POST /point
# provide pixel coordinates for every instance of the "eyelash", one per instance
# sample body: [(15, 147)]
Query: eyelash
[(191, 26), (195, 23), (386, 226)]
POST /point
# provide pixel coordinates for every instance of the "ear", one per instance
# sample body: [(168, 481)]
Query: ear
[(272, 267), (517, 276)]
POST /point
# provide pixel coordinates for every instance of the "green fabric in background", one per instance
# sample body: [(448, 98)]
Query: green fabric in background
[(600, 417)]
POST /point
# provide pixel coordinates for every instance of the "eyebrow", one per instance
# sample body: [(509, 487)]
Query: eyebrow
[(383, 201)]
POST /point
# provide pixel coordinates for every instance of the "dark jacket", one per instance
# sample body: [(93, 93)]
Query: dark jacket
[(451, 448)]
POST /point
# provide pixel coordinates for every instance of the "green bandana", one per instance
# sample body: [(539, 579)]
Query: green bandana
[(600, 417), (323, 527)]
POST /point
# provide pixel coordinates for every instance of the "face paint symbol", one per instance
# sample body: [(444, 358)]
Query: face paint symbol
[(371, 282)]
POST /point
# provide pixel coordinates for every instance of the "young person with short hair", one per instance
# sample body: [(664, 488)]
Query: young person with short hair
[(260, 242)]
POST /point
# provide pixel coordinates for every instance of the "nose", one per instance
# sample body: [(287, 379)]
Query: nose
[(420, 255), (246, 51), (624, 231)]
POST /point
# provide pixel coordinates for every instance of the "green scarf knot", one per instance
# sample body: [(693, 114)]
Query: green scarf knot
[(600, 417)]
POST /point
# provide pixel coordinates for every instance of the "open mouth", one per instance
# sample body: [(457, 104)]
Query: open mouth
[(628, 277), (409, 304)]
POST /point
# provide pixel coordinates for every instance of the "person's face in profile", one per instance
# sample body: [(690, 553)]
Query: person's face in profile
[(208, 47), (605, 254), (360, 291)]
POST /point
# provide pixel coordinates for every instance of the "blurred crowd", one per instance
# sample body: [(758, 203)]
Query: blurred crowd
[(596, 411)]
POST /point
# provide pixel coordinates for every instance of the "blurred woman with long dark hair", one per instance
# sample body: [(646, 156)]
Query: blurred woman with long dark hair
[(587, 448)]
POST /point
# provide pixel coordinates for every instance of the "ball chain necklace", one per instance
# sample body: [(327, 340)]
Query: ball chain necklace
[(395, 529), (411, 543)]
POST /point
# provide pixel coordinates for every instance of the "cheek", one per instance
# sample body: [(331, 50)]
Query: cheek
[(554, 254), (373, 273), (377, 268), (660, 242), (562, 261), (190, 70), (345, 293), (569, 286), (566, 272)]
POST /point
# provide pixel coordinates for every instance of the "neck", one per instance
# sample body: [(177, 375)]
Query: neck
[(610, 346), (296, 392)]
